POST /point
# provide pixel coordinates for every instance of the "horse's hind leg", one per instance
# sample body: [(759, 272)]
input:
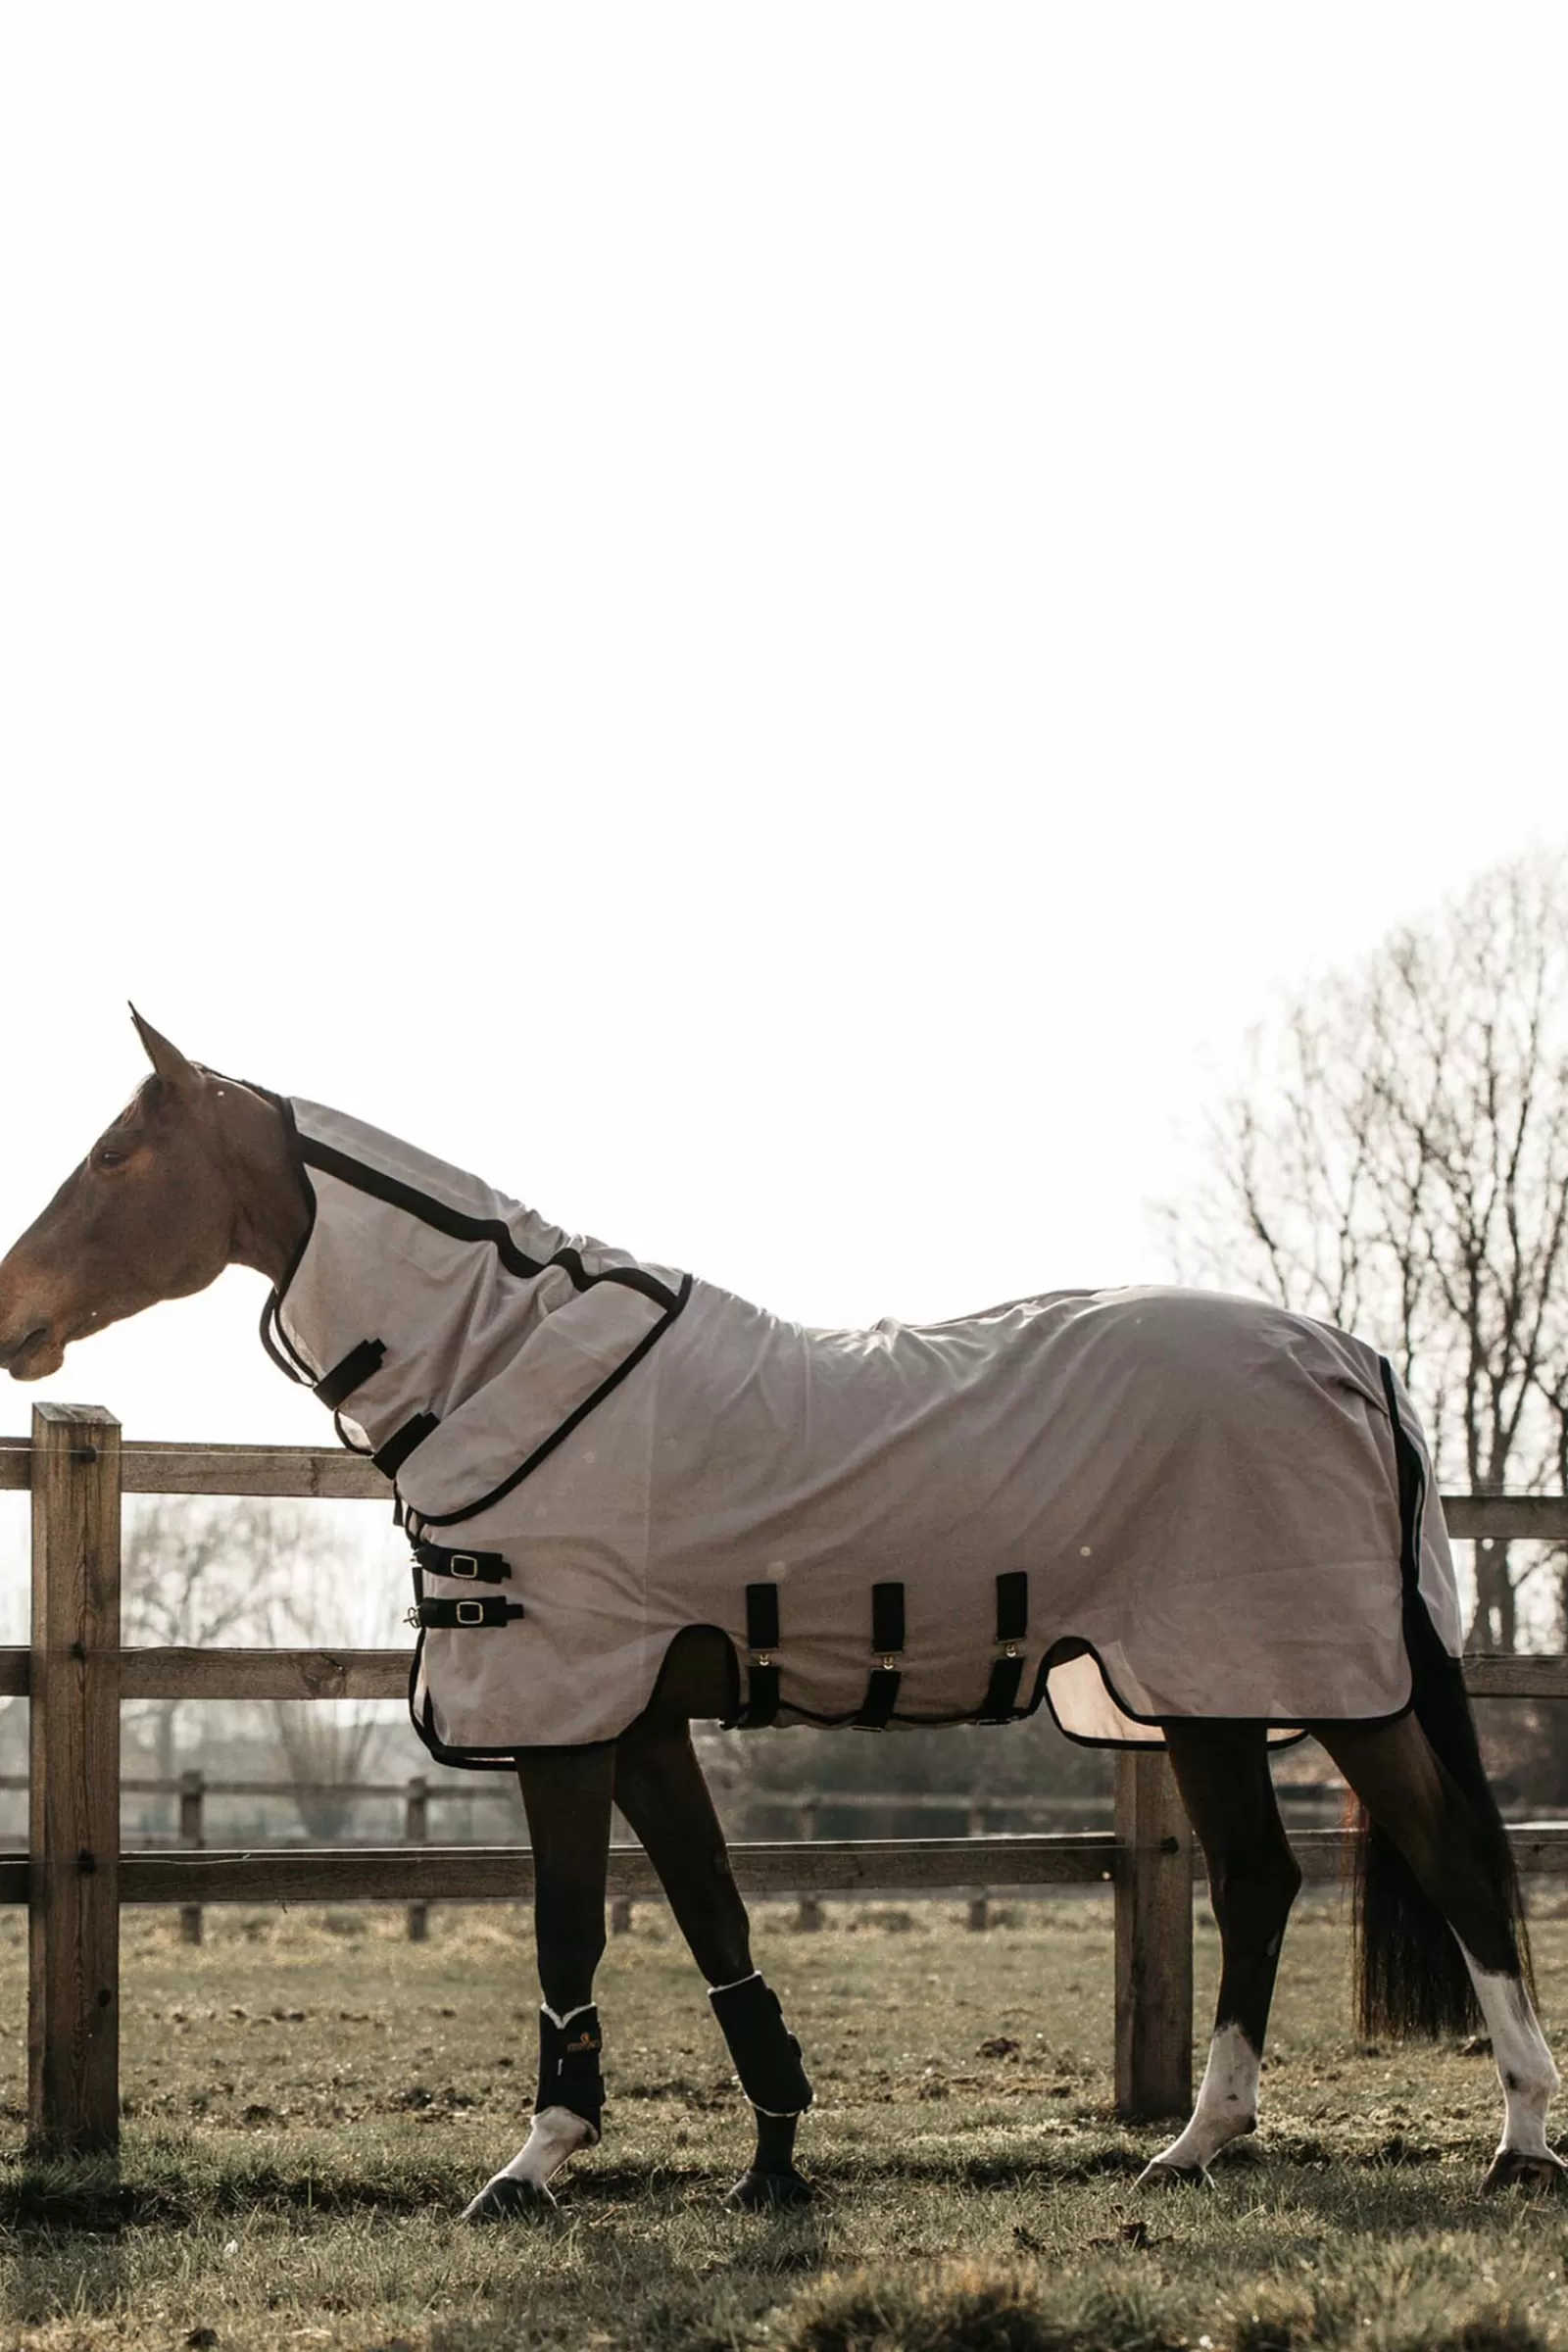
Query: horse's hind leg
[(1222, 1773), (660, 1790), (1451, 1850)]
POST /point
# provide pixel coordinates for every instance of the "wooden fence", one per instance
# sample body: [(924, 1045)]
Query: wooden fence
[(980, 1813), (75, 1877)]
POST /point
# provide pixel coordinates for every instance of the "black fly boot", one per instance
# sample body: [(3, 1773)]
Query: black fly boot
[(566, 2112), (767, 2060)]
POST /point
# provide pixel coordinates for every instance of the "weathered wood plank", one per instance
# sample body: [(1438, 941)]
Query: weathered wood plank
[(303, 1473), (1499, 1676), (264, 1673), (1508, 1518), (385, 1674), (477, 1873), (480, 1873), (74, 1913), (503, 1790), (1154, 1940)]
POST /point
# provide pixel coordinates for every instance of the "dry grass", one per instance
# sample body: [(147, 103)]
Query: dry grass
[(310, 2100)]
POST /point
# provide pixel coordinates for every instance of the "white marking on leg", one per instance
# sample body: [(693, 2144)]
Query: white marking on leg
[(1227, 2101), (1525, 2066), (556, 2133)]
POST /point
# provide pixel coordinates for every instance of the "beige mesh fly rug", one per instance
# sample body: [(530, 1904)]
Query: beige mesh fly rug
[(1137, 1504)]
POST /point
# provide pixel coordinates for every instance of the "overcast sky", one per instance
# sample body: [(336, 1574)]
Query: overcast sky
[(772, 626)]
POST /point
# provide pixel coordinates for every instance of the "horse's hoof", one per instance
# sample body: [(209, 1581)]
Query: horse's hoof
[(1511, 2170), (769, 2192), (1160, 2175), (507, 2199)]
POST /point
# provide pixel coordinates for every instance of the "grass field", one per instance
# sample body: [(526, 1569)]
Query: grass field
[(310, 2100)]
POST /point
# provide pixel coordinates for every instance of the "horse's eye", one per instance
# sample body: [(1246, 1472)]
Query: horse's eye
[(106, 1157)]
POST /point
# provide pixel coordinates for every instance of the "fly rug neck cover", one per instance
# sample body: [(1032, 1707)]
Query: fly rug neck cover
[(1141, 1505)]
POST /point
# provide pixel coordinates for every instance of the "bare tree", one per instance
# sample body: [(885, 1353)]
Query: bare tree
[(1398, 1162), (329, 1747), (200, 1572), (328, 1758)]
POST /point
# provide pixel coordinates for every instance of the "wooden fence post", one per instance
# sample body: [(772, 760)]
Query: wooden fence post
[(620, 1905), (1154, 1900), (73, 1880), (979, 1908), (417, 1832), (192, 1836), (808, 1907)]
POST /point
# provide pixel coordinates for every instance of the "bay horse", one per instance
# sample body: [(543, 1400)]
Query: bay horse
[(200, 1172)]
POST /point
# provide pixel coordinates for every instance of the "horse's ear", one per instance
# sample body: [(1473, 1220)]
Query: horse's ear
[(167, 1059)]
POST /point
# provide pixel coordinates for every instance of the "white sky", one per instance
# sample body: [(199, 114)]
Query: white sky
[(770, 625)]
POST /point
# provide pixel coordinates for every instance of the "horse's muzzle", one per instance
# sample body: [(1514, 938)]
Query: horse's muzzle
[(34, 1356)]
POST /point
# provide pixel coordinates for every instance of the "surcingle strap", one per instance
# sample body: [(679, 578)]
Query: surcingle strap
[(390, 1457), (766, 2054), (887, 1642), (569, 2075), (351, 1374), (1001, 1702), (472, 1567), (452, 1613), (761, 1639)]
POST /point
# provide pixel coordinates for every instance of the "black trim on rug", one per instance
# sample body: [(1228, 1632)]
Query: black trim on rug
[(573, 1420), (460, 1227)]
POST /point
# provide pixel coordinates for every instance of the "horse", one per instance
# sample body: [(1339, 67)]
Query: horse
[(201, 1171)]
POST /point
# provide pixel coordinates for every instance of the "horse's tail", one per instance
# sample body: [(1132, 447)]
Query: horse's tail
[(1410, 1972)]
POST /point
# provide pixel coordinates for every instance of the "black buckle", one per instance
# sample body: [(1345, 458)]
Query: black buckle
[(472, 1567), (451, 1614)]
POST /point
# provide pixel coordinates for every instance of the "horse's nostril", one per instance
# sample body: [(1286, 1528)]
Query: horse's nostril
[(12, 1351)]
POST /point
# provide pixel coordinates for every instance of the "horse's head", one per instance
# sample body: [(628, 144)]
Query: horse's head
[(155, 1212)]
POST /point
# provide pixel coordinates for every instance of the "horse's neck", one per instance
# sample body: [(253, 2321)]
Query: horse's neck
[(272, 1206)]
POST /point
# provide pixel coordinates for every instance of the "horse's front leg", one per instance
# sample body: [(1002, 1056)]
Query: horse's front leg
[(1223, 1772), (566, 1795), (660, 1790)]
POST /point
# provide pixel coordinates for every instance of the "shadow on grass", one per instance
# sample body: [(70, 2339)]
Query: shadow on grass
[(42, 2196), (1394, 2184)]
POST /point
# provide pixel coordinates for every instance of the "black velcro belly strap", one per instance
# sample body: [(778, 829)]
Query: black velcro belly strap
[(390, 1457), (453, 1613), (761, 1639), (472, 1567), (1001, 1703), (887, 1642), (351, 1374)]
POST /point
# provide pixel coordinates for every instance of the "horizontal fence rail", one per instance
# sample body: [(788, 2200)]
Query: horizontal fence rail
[(477, 1874), (74, 1878), (256, 1674)]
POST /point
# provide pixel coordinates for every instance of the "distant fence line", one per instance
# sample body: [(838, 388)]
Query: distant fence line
[(192, 1787), (75, 1877)]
